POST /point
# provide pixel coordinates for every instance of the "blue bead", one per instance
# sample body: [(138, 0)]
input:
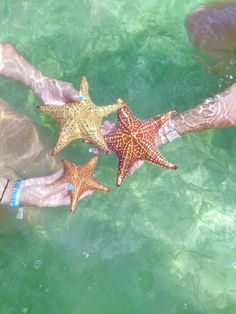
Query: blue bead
[(70, 186)]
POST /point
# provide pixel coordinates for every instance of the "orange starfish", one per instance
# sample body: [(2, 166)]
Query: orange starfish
[(81, 176), (133, 139)]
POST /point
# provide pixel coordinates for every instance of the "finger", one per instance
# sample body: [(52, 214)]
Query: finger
[(87, 193), (106, 127), (96, 150), (44, 180), (56, 200), (161, 136), (54, 189), (53, 177), (70, 93), (135, 166), (76, 97)]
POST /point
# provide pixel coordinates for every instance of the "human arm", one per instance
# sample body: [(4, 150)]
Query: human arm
[(14, 66), (39, 192), (216, 112)]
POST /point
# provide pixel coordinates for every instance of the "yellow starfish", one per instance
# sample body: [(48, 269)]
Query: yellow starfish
[(80, 119)]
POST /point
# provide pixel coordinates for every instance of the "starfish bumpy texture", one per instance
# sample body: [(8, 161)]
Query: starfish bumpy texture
[(79, 120), (81, 176), (133, 139)]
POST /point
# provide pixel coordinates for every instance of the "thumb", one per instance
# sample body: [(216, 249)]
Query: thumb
[(135, 166), (70, 93), (57, 188), (106, 127)]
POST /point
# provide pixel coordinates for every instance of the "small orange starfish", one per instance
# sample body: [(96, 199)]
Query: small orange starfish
[(133, 139), (81, 176)]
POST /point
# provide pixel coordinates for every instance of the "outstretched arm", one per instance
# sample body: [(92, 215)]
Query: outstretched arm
[(16, 67), (38, 192), (216, 112)]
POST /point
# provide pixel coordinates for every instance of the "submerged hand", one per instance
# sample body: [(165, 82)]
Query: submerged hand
[(42, 192), (14, 66), (52, 91), (164, 134), (106, 127)]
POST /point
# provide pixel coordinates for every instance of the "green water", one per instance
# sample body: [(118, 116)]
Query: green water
[(165, 241)]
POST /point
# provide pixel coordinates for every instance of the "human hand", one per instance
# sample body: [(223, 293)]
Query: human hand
[(107, 127), (42, 192), (52, 91), (165, 133), (14, 66)]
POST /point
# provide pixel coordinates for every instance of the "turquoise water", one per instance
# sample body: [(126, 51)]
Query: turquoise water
[(164, 242)]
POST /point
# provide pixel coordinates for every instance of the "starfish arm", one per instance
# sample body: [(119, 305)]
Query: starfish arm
[(115, 141), (84, 87), (75, 196), (106, 110), (126, 159), (98, 140), (93, 184), (65, 137), (88, 168), (153, 124), (161, 119), (126, 118), (68, 166), (68, 169), (149, 128), (151, 154), (123, 169), (54, 111)]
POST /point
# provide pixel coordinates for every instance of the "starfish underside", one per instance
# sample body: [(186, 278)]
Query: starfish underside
[(81, 176), (133, 139), (79, 120)]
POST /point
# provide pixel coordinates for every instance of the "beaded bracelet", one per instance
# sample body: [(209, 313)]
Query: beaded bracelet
[(15, 194), (170, 132)]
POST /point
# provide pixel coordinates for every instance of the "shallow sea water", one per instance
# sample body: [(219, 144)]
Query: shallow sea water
[(165, 241)]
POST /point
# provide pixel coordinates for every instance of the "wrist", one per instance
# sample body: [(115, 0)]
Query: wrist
[(170, 131), (34, 79), (179, 124), (40, 84), (15, 194), (167, 133)]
